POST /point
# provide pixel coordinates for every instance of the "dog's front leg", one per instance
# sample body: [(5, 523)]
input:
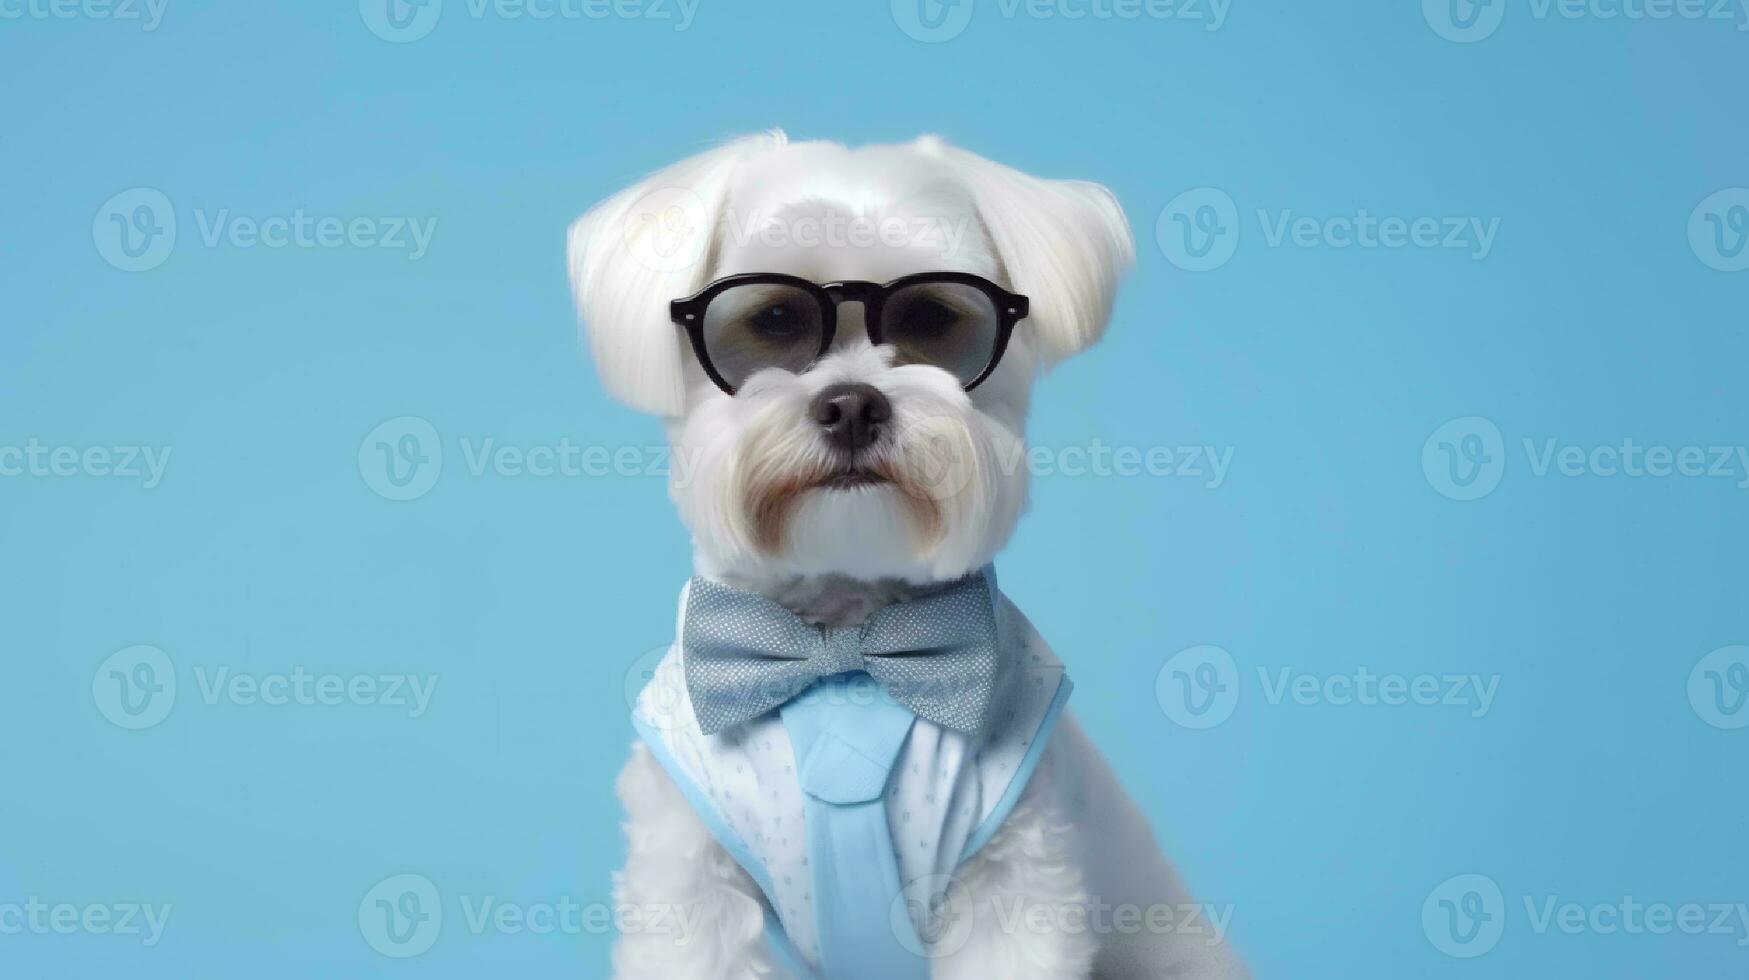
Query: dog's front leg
[(699, 916), (1074, 887), (1005, 909), (1163, 933)]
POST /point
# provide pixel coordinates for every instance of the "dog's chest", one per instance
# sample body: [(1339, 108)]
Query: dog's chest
[(946, 794)]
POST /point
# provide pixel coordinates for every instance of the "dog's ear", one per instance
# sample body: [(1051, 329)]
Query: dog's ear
[(1063, 244), (636, 251)]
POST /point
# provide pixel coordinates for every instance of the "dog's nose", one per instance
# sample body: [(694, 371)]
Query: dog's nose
[(851, 414)]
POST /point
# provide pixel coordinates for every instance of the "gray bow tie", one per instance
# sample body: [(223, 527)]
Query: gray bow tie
[(746, 655)]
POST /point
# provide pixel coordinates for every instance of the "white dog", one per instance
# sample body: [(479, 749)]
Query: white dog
[(851, 449)]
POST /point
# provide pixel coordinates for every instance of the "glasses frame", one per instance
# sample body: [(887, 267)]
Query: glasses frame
[(688, 313)]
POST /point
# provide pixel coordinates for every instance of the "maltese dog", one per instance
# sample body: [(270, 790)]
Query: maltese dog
[(855, 761)]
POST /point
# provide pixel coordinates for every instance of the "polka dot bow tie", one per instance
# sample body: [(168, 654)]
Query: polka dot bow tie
[(936, 654)]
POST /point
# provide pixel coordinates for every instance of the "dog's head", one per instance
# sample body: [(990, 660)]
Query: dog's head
[(871, 460)]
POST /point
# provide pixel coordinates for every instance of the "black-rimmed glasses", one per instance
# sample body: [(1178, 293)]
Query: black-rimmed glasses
[(746, 323)]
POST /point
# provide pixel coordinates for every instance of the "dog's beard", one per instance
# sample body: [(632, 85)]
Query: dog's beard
[(779, 477), (934, 496)]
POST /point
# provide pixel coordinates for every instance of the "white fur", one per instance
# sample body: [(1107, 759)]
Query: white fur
[(764, 204)]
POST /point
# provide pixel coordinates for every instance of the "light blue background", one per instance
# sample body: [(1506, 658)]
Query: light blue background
[(1322, 827)]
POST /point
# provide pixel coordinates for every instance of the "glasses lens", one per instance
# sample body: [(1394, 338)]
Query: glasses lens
[(946, 324), (755, 326)]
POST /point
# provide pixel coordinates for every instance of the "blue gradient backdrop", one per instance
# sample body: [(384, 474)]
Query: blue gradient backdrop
[(1608, 764)]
